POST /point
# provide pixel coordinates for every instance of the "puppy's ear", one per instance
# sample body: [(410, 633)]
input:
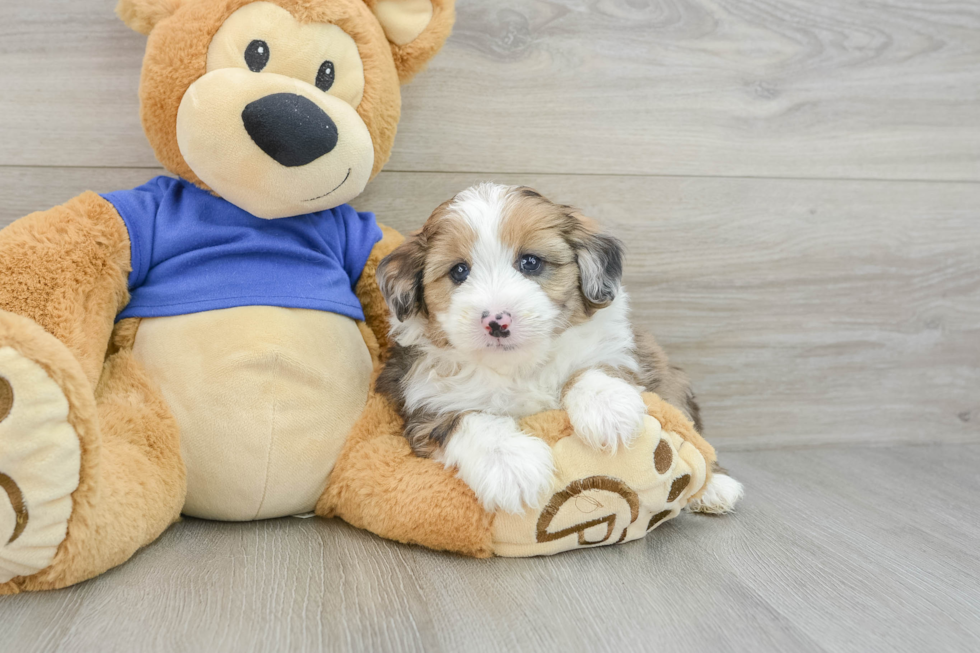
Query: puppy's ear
[(600, 262), (400, 278)]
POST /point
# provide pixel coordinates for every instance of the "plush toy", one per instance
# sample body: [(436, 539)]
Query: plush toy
[(205, 344)]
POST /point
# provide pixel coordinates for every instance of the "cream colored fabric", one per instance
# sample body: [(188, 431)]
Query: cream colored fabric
[(40, 458), (295, 50), (264, 397), (403, 20), (600, 500)]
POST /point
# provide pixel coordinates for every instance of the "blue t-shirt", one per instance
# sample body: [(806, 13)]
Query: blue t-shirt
[(193, 252)]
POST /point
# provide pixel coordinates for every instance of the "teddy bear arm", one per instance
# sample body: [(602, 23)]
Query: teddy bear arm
[(369, 292), (66, 269), (675, 421), (601, 499), (378, 484)]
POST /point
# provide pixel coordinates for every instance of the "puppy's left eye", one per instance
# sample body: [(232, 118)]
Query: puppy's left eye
[(530, 264)]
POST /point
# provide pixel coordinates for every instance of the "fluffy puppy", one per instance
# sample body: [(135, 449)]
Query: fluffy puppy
[(505, 304)]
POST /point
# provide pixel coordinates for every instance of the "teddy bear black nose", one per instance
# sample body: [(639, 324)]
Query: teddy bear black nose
[(290, 128)]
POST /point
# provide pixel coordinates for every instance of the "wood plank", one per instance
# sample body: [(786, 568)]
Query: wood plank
[(70, 76), (807, 312), (25, 190), (839, 88), (838, 543), (312, 585), (826, 553)]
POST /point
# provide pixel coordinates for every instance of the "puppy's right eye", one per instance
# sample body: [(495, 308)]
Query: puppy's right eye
[(459, 272), (530, 264), (257, 55)]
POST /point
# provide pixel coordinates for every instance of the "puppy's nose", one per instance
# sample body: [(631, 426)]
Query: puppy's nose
[(290, 128), (497, 324)]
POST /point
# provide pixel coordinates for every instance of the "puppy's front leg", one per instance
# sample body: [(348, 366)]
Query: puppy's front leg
[(506, 468), (605, 411)]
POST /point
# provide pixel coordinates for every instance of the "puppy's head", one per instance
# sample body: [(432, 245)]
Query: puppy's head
[(499, 271)]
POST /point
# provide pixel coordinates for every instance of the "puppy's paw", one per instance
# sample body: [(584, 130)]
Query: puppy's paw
[(720, 497), (506, 468), (605, 412)]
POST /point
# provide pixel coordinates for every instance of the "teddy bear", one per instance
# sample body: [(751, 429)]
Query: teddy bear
[(206, 344)]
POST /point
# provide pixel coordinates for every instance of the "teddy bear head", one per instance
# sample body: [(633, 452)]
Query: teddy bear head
[(281, 107)]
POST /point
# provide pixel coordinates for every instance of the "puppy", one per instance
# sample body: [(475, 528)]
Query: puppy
[(504, 305)]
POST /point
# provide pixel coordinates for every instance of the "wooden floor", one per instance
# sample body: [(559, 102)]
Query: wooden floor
[(798, 182), (859, 549)]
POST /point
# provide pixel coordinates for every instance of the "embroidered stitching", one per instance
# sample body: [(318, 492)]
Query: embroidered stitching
[(17, 501), (575, 488), (6, 398)]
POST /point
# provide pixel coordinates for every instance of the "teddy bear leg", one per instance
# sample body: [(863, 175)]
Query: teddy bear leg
[(379, 485), (86, 478)]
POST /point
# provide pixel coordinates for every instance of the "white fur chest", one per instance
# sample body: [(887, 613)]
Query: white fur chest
[(475, 388)]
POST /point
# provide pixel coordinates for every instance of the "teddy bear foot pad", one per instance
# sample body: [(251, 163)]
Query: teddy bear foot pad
[(40, 459)]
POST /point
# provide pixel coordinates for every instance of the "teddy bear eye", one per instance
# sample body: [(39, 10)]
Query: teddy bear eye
[(257, 55), (325, 76)]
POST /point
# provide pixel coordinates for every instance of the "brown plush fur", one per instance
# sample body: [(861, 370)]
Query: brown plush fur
[(380, 485), (412, 57), (143, 15), (368, 291), (66, 268)]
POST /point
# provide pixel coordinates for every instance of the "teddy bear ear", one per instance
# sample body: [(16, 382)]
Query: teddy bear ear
[(416, 30), (142, 15)]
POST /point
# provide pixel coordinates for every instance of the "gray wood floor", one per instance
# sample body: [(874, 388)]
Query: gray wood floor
[(834, 549), (799, 185)]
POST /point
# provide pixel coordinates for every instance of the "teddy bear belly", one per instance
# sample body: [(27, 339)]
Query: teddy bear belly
[(264, 398)]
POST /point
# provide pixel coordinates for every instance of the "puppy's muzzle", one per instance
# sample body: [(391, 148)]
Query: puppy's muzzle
[(290, 128), (497, 324)]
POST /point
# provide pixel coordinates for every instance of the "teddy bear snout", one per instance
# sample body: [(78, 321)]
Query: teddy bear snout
[(290, 128)]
